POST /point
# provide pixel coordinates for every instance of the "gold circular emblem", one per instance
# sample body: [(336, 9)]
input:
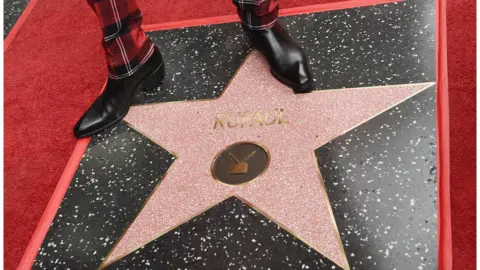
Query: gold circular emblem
[(240, 163)]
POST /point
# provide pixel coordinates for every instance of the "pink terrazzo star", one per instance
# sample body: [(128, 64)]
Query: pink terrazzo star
[(291, 191)]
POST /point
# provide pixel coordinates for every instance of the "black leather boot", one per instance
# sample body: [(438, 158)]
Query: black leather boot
[(113, 104), (288, 63)]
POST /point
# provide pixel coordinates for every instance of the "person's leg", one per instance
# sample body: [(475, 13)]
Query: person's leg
[(257, 14), (123, 39), (133, 63), (288, 63)]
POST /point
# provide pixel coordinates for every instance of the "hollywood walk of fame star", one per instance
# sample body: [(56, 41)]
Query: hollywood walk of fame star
[(290, 192)]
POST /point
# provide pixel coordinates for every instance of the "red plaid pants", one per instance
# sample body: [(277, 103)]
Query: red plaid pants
[(126, 45)]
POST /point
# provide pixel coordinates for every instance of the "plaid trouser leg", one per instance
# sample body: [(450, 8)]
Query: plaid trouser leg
[(257, 14), (125, 43)]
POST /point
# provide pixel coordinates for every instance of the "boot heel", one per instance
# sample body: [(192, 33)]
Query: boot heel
[(155, 79)]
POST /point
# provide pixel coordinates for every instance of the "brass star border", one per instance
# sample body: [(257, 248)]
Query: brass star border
[(291, 194)]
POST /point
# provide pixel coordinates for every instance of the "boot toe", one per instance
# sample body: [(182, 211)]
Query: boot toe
[(88, 124), (296, 74), (301, 77)]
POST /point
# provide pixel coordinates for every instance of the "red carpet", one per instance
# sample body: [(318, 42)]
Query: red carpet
[(54, 68), (462, 87)]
